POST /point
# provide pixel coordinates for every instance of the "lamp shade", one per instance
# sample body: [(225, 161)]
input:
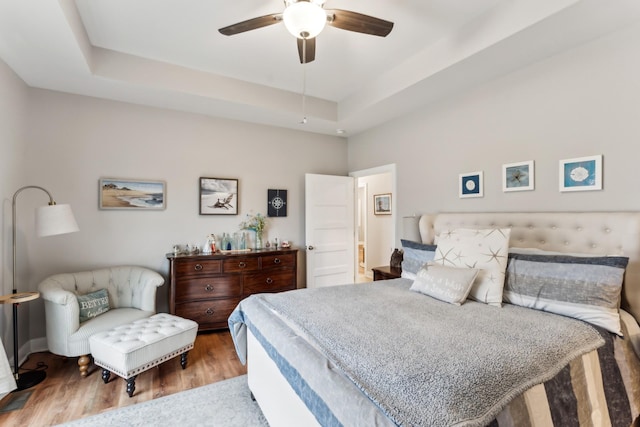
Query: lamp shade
[(55, 219), (304, 19), (411, 229)]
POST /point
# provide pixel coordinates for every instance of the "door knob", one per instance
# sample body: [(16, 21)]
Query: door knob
[(310, 247)]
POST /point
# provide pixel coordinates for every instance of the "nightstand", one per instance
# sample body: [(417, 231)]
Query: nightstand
[(386, 272)]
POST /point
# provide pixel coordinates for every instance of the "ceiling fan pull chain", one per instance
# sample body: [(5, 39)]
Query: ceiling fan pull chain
[(304, 82)]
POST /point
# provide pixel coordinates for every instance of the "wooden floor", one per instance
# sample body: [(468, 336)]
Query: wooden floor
[(65, 396)]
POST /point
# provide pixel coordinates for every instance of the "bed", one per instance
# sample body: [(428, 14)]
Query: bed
[(560, 357)]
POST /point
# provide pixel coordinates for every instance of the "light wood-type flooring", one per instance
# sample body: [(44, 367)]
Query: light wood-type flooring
[(64, 395)]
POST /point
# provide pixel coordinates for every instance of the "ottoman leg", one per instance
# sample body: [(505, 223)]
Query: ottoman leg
[(105, 375), (183, 359), (131, 385)]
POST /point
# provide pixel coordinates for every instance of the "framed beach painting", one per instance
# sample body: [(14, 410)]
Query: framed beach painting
[(581, 174), (518, 176), (218, 196), (116, 193), (382, 204), (470, 185)]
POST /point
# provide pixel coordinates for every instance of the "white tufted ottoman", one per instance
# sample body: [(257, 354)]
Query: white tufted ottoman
[(130, 349)]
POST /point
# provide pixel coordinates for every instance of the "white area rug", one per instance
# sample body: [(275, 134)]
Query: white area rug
[(225, 404)]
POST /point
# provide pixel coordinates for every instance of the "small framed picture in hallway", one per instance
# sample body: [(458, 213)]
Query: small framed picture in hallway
[(382, 204)]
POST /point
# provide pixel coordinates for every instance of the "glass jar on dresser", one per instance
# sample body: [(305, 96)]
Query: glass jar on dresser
[(206, 288)]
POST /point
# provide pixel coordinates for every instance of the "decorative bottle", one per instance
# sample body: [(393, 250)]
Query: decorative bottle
[(258, 239), (206, 249), (212, 242)]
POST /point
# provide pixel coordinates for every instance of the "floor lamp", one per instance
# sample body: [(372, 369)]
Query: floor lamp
[(50, 220)]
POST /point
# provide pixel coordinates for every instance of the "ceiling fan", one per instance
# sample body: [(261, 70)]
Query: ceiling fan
[(305, 19)]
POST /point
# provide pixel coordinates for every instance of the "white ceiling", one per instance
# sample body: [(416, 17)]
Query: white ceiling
[(169, 54)]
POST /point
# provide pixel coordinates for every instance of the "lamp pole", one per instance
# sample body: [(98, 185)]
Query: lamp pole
[(30, 378), (59, 220)]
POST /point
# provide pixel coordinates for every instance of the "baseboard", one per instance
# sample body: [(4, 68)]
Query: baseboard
[(39, 344), (34, 345)]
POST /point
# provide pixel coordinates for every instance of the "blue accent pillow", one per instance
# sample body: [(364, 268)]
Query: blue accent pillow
[(93, 304), (415, 256), (586, 288)]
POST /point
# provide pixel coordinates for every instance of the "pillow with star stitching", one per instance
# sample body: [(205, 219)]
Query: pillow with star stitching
[(484, 249), (448, 284)]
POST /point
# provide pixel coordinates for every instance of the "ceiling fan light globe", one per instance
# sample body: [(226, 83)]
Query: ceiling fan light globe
[(304, 19)]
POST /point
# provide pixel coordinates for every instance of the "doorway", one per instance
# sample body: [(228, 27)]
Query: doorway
[(361, 228), (375, 231)]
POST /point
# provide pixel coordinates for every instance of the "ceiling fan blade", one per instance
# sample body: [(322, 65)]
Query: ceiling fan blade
[(308, 53), (353, 21), (251, 24)]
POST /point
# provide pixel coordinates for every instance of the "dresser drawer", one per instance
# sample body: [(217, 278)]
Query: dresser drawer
[(274, 281), (191, 267), (208, 314), (208, 287), (283, 260), (239, 264)]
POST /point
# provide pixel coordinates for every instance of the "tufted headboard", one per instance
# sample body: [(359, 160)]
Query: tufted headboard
[(598, 233)]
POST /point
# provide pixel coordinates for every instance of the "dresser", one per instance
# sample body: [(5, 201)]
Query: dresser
[(206, 288)]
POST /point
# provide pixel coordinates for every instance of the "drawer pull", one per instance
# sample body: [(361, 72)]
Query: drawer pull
[(277, 261), (269, 280), (242, 264), (208, 288), (209, 311), (197, 267)]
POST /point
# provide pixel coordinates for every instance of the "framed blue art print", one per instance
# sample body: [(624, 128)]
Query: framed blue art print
[(581, 174), (518, 176), (470, 185)]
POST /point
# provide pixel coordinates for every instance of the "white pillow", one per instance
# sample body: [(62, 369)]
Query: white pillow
[(484, 249), (448, 284)]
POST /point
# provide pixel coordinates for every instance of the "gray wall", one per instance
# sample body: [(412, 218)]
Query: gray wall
[(580, 103), (70, 141)]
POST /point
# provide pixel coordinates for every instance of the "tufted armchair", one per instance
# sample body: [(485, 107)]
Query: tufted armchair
[(132, 296)]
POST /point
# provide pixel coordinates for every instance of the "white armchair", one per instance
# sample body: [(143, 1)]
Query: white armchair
[(132, 296)]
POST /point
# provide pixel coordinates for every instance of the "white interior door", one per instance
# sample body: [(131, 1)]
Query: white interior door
[(330, 229)]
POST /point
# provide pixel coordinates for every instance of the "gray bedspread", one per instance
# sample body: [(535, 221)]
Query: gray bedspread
[(429, 363)]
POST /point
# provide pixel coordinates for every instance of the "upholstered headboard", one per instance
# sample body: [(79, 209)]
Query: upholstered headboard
[(598, 233)]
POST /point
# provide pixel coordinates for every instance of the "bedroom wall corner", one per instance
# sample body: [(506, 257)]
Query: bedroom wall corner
[(13, 122)]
